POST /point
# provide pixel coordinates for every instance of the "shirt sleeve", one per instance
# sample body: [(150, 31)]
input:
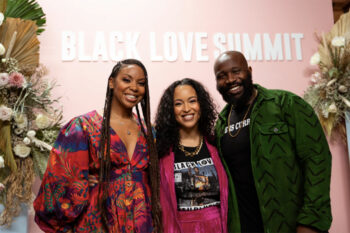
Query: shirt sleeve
[(315, 158), (63, 194)]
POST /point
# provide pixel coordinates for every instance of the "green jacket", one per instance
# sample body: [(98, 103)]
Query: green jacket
[(291, 163)]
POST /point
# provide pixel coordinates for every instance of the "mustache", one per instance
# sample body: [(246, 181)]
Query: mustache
[(231, 85)]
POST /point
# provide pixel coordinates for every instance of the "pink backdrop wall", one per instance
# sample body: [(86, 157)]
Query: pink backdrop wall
[(131, 23)]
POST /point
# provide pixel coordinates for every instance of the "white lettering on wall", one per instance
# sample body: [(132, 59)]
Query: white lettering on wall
[(186, 45), (252, 51), (153, 48), (297, 37), (68, 46), (273, 51), (100, 48), (175, 46), (200, 46), (170, 46), (114, 38)]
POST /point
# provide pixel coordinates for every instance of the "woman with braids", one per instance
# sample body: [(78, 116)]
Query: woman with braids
[(118, 148), (194, 186)]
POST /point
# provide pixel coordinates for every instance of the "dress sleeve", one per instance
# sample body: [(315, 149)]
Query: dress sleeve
[(315, 158), (63, 194)]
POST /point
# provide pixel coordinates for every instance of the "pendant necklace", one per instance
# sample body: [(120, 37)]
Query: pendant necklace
[(245, 116)]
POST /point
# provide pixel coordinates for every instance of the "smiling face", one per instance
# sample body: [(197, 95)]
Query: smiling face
[(233, 78), (128, 86), (186, 107)]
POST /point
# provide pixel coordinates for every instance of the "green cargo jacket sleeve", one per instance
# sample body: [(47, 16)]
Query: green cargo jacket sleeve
[(315, 158), (291, 163)]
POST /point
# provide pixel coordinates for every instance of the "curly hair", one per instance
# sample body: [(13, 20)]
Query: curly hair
[(104, 150), (167, 128)]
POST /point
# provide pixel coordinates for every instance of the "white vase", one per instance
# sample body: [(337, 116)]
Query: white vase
[(347, 123), (19, 224)]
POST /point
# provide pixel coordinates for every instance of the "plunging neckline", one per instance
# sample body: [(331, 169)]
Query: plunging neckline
[(122, 142)]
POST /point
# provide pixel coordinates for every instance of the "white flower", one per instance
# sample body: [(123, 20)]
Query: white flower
[(42, 121), (26, 141), (342, 89), (4, 79), (18, 131), (21, 150), (332, 108), (2, 187), (315, 77), (315, 59), (3, 60), (1, 17), (21, 120), (2, 162), (5, 113), (2, 50), (31, 133), (338, 41)]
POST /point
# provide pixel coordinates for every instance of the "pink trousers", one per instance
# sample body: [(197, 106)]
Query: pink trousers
[(206, 220)]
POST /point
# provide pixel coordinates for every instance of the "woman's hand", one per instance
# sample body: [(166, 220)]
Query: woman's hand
[(92, 180)]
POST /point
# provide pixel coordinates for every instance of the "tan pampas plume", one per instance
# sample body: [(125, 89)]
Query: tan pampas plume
[(25, 46), (340, 28)]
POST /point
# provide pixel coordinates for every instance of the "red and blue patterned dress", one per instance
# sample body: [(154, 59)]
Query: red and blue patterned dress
[(67, 202)]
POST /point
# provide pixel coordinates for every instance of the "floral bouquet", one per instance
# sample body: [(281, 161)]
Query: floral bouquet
[(29, 116), (329, 93)]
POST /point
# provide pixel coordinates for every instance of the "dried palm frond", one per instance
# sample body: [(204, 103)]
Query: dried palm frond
[(26, 46), (5, 145), (3, 4), (27, 9), (340, 28)]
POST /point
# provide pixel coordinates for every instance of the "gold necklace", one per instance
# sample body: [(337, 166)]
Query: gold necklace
[(245, 116), (193, 153)]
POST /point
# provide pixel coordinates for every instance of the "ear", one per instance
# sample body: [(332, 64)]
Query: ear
[(110, 83), (250, 69)]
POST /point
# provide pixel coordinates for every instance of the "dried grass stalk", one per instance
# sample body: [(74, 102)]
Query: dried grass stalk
[(18, 190)]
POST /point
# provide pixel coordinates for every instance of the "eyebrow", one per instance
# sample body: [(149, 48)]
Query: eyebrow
[(143, 79), (194, 96)]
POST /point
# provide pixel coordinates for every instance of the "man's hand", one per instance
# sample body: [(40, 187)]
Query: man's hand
[(92, 180), (304, 229)]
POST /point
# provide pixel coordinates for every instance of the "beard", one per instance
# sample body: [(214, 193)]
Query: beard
[(238, 102)]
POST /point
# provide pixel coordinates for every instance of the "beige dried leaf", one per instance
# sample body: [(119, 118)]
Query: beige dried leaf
[(26, 46), (340, 28)]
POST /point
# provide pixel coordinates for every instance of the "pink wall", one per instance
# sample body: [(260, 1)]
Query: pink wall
[(82, 83)]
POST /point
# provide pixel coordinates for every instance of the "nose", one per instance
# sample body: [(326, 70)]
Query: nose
[(231, 77), (133, 86), (186, 107)]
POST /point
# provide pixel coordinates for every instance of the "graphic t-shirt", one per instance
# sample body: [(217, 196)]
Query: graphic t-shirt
[(235, 147), (196, 180)]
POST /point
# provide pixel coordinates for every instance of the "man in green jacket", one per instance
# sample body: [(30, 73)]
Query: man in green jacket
[(275, 154)]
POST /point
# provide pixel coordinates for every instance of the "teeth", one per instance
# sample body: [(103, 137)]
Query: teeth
[(131, 97), (234, 88), (188, 117)]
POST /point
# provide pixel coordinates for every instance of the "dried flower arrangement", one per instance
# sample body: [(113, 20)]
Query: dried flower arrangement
[(29, 116), (329, 93)]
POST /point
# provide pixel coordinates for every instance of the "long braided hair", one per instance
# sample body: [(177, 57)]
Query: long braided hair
[(104, 152)]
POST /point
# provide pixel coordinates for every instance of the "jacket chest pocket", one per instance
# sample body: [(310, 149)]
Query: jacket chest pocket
[(275, 140)]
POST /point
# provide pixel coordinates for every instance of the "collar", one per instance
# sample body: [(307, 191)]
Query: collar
[(263, 94)]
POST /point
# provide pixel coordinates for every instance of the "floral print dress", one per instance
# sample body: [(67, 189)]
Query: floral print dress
[(67, 202)]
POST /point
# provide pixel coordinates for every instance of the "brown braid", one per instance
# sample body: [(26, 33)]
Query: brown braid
[(104, 155)]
